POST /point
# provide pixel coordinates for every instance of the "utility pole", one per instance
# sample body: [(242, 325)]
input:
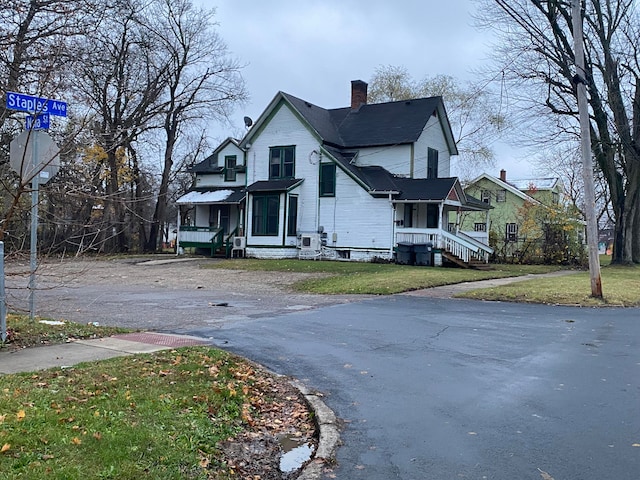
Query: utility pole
[(585, 147)]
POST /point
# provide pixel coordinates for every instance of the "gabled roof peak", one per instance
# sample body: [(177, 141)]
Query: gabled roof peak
[(370, 125)]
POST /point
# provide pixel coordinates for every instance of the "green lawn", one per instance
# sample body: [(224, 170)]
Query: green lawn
[(620, 287), (160, 416), (21, 332), (375, 278)]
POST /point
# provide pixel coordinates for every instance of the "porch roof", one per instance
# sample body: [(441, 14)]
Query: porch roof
[(281, 185), (434, 189), (211, 196)]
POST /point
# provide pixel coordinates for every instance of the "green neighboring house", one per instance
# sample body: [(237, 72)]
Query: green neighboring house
[(520, 214)]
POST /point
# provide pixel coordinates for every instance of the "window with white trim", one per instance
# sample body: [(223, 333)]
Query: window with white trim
[(230, 168), (511, 232)]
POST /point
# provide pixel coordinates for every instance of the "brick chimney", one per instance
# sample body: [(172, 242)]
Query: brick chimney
[(503, 175), (358, 94)]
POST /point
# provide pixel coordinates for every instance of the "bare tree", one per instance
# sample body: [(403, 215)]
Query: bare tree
[(475, 120), (36, 46), (148, 70), (535, 54), (121, 78), (202, 82)]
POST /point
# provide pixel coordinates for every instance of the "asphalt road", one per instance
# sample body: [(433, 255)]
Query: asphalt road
[(450, 389), (427, 388)]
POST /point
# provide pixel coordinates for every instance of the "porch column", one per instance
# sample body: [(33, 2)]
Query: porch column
[(393, 226), (486, 227), (440, 221), (178, 233)]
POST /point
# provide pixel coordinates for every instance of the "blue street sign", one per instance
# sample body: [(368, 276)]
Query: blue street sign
[(27, 103), (41, 122)]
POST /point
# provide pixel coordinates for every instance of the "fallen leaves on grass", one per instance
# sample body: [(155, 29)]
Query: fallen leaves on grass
[(234, 413)]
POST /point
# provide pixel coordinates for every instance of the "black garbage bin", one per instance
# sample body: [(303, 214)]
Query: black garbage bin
[(424, 254), (405, 254)]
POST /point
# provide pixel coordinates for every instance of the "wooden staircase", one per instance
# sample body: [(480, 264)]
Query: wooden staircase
[(473, 263)]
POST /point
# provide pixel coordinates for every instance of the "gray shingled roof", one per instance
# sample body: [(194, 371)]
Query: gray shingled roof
[(376, 124), (208, 165), (424, 188), (274, 185), (211, 164)]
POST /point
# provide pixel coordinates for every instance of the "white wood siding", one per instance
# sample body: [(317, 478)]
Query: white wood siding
[(432, 136), (359, 220), (230, 149), (217, 179), (209, 180), (201, 213), (395, 159), (285, 129)]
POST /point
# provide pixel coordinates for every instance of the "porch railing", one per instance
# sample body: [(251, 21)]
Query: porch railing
[(206, 237), (463, 246), (190, 234)]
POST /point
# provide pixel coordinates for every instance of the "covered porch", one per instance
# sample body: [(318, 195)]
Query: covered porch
[(210, 219), (431, 218)]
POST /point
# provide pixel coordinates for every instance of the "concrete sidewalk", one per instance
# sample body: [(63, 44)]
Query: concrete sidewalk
[(78, 351), (450, 291)]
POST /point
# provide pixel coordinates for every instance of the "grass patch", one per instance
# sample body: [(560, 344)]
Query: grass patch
[(374, 278), (158, 415), (22, 332), (620, 286)]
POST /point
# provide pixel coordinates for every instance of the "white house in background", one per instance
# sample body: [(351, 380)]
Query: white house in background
[(214, 207), (346, 183)]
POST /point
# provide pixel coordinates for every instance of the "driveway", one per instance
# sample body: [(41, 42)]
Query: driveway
[(427, 388)]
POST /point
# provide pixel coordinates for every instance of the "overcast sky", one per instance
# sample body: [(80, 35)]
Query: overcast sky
[(314, 48)]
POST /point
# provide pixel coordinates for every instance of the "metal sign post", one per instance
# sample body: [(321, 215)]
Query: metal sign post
[(33, 265), (44, 163), (3, 306)]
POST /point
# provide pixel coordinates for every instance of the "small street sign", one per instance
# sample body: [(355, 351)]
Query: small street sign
[(28, 103), (41, 122)]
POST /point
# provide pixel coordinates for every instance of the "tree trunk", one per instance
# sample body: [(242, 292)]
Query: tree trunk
[(159, 215)]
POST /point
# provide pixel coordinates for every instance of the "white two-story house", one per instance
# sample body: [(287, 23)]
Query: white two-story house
[(346, 183)]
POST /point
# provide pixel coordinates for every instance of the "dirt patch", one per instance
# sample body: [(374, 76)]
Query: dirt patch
[(175, 294), (257, 452)]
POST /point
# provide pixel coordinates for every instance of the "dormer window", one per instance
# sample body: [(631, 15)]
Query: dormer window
[(230, 168), (282, 161), (432, 163)]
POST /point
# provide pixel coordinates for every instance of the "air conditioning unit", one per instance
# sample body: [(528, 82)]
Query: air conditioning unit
[(310, 241), (240, 243)]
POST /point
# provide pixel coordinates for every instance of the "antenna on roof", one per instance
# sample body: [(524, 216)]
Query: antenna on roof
[(248, 122)]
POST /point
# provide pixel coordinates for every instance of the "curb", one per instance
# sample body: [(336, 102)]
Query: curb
[(329, 440)]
